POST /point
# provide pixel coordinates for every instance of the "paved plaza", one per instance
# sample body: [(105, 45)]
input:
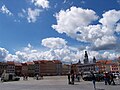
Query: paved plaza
[(54, 83)]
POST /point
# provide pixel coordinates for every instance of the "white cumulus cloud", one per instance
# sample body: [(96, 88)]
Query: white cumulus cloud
[(110, 18), (3, 53), (54, 42), (66, 54), (11, 57), (41, 3), (5, 10), (78, 23), (33, 14)]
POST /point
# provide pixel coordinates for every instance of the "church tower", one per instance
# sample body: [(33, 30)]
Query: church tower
[(86, 61), (94, 60), (79, 62)]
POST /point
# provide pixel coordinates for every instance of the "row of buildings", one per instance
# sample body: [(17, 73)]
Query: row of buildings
[(40, 67), (100, 66), (56, 67)]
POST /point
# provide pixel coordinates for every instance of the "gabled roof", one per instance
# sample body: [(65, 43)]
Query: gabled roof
[(57, 61), (43, 61), (29, 63), (24, 64), (10, 63), (36, 62), (40, 61), (18, 64), (107, 62)]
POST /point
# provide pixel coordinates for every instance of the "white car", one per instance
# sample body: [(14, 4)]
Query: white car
[(9, 77)]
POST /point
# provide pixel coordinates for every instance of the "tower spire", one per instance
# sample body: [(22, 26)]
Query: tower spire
[(79, 62), (94, 59), (86, 61)]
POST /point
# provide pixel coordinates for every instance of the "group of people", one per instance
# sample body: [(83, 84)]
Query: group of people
[(39, 77), (25, 77), (109, 78), (72, 76)]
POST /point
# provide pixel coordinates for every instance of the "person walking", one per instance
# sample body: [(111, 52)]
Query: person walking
[(37, 77), (107, 78), (69, 82), (112, 79), (73, 78), (78, 77), (94, 80)]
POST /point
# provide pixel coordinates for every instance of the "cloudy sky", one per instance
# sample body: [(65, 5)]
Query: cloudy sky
[(59, 29)]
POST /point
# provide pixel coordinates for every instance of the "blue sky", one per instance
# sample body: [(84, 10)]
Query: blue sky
[(59, 29)]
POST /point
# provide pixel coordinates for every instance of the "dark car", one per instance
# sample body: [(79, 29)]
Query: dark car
[(87, 78), (98, 77)]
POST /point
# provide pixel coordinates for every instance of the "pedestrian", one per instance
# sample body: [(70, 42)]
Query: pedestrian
[(78, 77), (69, 82), (26, 77), (23, 76), (72, 78), (112, 79), (94, 80), (37, 77), (107, 78)]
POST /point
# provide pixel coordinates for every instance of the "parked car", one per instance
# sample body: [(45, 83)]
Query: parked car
[(9, 77), (99, 77), (87, 78)]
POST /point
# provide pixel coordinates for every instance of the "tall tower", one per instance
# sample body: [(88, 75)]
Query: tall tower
[(79, 62), (94, 60), (86, 61)]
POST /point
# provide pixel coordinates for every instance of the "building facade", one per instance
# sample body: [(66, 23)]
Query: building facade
[(58, 67), (10, 67), (107, 66), (24, 69), (31, 69), (3, 66), (48, 67), (18, 69), (66, 69), (86, 67), (37, 67)]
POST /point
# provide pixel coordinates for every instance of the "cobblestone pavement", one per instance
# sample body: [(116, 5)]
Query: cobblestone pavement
[(54, 83)]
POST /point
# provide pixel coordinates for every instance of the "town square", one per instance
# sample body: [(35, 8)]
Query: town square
[(54, 83), (59, 44)]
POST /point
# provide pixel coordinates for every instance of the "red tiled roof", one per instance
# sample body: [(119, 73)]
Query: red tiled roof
[(10, 62), (109, 62), (57, 61), (40, 61), (106, 62), (29, 63), (43, 61), (18, 64), (24, 64), (36, 62)]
